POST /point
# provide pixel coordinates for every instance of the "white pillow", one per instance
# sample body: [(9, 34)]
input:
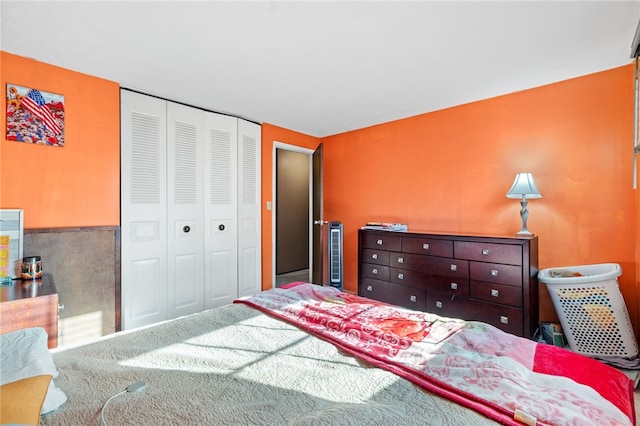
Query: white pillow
[(25, 354)]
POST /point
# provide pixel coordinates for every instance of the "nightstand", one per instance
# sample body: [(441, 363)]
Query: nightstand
[(25, 304)]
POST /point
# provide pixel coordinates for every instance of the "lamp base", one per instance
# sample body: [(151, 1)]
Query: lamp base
[(524, 233), (524, 214)]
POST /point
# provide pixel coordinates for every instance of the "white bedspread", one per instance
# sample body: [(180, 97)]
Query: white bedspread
[(235, 365)]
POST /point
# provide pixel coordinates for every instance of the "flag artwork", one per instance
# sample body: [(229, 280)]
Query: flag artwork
[(34, 116)]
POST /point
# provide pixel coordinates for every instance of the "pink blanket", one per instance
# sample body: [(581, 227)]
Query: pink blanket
[(507, 378)]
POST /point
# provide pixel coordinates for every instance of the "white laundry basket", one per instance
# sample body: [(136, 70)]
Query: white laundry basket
[(591, 309)]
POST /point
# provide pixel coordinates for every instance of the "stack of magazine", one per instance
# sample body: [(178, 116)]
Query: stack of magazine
[(381, 226)]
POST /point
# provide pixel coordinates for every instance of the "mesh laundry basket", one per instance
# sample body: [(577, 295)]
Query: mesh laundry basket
[(591, 309)]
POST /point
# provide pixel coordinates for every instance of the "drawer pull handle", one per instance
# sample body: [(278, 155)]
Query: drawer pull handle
[(438, 304), (494, 272), (400, 260), (485, 252), (379, 242), (454, 286), (413, 298), (425, 246), (375, 271), (454, 267), (369, 288), (400, 276), (494, 293), (504, 320), (374, 256)]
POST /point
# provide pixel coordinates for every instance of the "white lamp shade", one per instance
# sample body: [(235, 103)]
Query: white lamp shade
[(524, 186)]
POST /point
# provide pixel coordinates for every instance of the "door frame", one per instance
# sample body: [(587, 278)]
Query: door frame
[(309, 152)]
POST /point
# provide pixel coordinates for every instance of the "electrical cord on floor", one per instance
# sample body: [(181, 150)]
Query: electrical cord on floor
[(134, 387)]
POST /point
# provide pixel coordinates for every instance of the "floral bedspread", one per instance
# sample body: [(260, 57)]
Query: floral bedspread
[(507, 378)]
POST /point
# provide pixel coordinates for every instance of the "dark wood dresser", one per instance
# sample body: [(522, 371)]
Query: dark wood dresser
[(32, 303), (479, 278)]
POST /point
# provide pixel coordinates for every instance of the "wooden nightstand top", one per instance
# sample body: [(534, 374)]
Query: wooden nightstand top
[(19, 289)]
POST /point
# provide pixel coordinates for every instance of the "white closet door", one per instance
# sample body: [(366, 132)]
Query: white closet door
[(185, 226), (143, 210), (221, 211), (249, 249)]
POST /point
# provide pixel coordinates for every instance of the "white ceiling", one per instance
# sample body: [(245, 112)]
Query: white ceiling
[(322, 67)]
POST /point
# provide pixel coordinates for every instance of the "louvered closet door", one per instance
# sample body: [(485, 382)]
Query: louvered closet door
[(185, 221), (249, 248), (143, 210), (221, 211)]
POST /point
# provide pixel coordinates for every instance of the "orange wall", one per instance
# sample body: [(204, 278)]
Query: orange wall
[(79, 184), (449, 171), (442, 171)]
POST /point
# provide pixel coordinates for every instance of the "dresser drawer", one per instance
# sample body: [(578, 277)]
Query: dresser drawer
[(379, 257), (496, 273), (445, 285), (379, 272), (434, 265), (505, 318), (401, 295), (408, 277), (448, 286), (445, 305), (496, 293), (390, 241), (442, 248), (488, 252)]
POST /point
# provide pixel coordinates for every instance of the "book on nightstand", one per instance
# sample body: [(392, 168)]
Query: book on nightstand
[(383, 226)]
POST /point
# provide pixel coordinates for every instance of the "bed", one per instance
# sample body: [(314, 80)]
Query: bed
[(311, 354)]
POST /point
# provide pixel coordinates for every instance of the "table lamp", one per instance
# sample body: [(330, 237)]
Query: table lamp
[(524, 187)]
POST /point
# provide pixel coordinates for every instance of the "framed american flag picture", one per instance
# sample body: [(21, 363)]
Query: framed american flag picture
[(34, 116)]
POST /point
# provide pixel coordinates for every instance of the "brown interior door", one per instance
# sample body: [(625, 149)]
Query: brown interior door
[(317, 276)]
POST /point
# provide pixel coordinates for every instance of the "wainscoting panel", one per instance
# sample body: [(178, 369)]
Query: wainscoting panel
[(85, 266)]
